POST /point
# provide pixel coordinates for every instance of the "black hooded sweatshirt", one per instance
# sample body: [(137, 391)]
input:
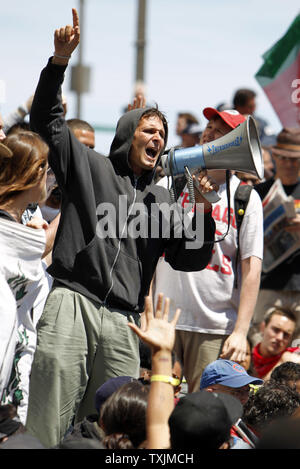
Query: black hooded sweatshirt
[(116, 270)]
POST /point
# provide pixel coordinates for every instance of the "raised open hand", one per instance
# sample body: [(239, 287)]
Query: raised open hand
[(138, 102), (66, 39), (159, 334)]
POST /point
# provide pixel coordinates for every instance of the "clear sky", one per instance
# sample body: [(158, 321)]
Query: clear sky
[(197, 53)]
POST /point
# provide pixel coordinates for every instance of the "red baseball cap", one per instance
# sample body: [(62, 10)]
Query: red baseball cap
[(231, 117)]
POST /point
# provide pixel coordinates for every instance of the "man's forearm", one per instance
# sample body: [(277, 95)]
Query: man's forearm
[(251, 270), (160, 403)]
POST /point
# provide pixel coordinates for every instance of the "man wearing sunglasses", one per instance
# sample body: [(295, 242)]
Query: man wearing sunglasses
[(281, 286)]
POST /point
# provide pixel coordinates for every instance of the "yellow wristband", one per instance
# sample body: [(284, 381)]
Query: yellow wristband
[(165, 379)]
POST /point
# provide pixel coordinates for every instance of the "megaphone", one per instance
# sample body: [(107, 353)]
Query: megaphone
[(239, 150)]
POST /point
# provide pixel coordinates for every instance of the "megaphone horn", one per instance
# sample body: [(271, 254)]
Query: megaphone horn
[(239, 150)]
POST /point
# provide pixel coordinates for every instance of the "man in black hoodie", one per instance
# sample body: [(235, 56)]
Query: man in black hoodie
[(101, 275)]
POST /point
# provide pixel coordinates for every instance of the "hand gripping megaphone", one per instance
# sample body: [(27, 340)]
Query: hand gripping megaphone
[(239, 150)]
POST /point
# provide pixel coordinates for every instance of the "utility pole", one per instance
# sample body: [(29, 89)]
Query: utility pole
[(140, 44), (80, 75), (79, 92)]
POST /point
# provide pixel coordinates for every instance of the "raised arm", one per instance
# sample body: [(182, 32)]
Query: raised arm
[(159, 334), (66, 39), (47, 102), (47, 111)]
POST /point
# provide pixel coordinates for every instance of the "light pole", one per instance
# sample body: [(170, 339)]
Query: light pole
[(140, 44), (80, 74)]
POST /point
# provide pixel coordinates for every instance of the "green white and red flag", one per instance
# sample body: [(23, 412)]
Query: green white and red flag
[(279, 76)]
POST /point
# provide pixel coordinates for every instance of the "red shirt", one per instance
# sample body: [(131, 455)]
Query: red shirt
[(263, 365)]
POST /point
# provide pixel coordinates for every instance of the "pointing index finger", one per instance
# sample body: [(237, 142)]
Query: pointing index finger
[(75, 18)]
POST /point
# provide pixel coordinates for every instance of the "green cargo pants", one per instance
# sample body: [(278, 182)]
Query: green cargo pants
[(79, 346)]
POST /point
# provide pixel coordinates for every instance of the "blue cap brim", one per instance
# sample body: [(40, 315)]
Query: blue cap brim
[(239, 381)]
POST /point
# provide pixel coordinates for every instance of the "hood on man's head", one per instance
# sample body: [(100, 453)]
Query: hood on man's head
[(126, 126)]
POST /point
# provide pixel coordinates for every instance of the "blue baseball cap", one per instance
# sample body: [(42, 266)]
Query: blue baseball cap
[(228, 373)]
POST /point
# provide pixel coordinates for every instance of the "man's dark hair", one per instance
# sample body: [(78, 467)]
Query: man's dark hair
[(190, 118), (242, 96), (270, 402), (281, 312), (286, 373), (74, 124), (154, 111)]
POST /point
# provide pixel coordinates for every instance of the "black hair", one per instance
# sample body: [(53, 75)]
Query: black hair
[(271, 401), (242, 96), (286, 373)]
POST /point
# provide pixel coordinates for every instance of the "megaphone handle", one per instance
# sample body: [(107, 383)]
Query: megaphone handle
[(211, 197), (190, 184)]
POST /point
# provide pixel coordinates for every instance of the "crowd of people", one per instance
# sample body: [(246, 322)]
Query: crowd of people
[(120, 330)]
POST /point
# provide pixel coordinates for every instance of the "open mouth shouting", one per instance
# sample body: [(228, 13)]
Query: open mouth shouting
[(147, 143), (152, 153)]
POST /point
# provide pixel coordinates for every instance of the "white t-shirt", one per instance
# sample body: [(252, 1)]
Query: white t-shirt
[(23, 291), (208, 299)]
